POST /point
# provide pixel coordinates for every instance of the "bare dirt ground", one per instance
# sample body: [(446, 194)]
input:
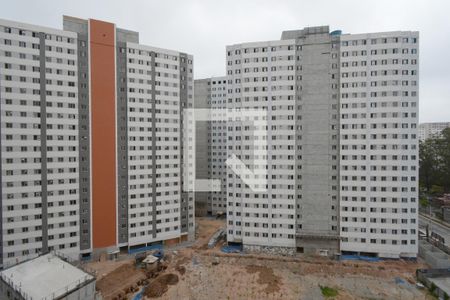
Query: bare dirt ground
[(255, 277), (120, 281), (197, 272), (103, 268)]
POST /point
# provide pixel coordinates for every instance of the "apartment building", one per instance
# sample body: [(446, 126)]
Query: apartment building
[(202, 100), (91, 140), (379, 143), (428, 130), (39, 141), (289, 79), (211, 153), (218, 145), (341, 152)]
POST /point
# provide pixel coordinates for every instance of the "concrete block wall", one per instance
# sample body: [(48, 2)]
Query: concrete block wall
[(433, 256)]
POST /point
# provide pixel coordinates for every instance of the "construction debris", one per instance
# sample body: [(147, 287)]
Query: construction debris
[(217, 236)]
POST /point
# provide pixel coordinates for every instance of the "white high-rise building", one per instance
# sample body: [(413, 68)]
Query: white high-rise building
[(341, 155), (39, 141), (428, 130), (92, 156), (261, 77), (379, 143), (295, 81), (154, 144)]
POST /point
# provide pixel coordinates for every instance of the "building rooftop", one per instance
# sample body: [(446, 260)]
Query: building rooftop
[(46, 276)]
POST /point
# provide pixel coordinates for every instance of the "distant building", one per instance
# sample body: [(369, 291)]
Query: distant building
[(202, 98), (46, 277), (428, 130), (211, 151), (211, 139), (218, 144)]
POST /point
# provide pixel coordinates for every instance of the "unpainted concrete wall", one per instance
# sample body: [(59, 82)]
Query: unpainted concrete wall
[(433, 256)]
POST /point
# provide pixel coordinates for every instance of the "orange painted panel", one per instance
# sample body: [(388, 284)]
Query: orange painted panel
[(103, 132)]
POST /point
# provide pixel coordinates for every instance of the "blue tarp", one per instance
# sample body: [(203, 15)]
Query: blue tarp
[(143, 249), (232, 249), (140, 295), (359, 257), (158, 254)]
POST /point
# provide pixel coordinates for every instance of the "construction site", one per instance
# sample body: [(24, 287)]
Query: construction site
[(202, 270)]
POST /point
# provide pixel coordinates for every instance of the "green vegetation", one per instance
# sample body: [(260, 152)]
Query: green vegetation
[(434, 163), (328, 292), (436, 190), (432, 288), (424, 202)]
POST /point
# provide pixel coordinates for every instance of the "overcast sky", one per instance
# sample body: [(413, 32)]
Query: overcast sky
[(204, 28)]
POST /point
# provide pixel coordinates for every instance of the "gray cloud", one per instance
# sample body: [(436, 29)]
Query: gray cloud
[(204, 28)]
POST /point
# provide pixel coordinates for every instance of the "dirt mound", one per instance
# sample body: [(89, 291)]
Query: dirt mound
[(266, 276), (170, 279), (121, 280), (159, 286), (156, 289), (181, 269), (182, 261)]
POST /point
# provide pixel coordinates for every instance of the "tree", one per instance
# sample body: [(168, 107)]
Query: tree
[(424, 202), (434, 162), (444, 155), (428, 164)]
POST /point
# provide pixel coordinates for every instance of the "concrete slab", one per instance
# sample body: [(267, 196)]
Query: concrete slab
[(45, 276), (442, 283)]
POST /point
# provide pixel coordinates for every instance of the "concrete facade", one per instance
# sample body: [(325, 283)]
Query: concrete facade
[(83, 127), (317, 129), (433, 256)]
